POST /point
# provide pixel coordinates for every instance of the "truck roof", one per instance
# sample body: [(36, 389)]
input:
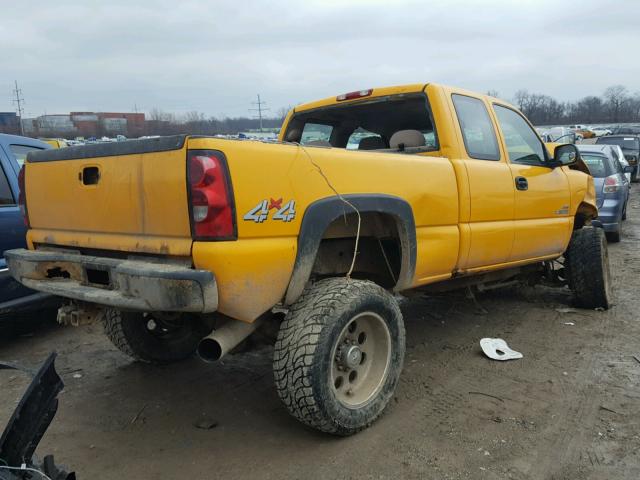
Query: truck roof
[(377, 92)]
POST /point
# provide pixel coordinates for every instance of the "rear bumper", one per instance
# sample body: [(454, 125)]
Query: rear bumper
[(125, 284), (610, 213)]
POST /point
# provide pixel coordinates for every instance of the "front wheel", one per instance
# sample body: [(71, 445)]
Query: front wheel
[(587, 262), (339, 355), (154, 337)]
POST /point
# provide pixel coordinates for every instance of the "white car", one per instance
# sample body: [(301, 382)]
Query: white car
[(601, 131), (619, 155), (560, 135)]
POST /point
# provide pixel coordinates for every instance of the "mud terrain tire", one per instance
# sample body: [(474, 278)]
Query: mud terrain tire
[(333, 319), (167, 342), (587, 262)]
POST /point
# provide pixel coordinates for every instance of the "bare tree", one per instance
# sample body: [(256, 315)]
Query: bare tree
[(615, 96)]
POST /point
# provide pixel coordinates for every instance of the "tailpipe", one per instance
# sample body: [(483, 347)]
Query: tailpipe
[(216, 345)]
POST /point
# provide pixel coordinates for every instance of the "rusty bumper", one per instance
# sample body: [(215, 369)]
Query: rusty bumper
[(125, 284)]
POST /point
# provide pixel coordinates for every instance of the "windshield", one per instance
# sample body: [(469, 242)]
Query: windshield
[(366, 125), (598, 164), (629, 143)]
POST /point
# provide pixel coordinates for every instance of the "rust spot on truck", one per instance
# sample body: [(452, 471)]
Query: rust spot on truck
[(56, 270)]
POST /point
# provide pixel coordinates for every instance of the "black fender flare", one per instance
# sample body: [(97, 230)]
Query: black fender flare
[(319, 215)]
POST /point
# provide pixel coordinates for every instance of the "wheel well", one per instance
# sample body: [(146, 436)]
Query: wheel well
[(585, 213), (379, 254), (385, 220)]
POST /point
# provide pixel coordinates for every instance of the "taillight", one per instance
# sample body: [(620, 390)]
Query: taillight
[(352, 95), (210, 195), (22, 199), (611, 184)]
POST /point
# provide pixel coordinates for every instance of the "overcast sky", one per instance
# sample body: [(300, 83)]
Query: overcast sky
[(215, 56)]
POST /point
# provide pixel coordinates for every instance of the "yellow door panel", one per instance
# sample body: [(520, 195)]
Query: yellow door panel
[(437, 252), (539, 237), (543, 220), (492, 209), (491, 243)]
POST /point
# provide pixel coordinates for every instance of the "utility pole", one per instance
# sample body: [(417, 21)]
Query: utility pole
[(19, 101), (260, 109)]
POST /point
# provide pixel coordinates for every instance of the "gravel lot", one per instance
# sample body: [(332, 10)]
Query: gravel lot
[(568, 410)]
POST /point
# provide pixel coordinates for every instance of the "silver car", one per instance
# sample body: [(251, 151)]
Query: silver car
[(612, 187)]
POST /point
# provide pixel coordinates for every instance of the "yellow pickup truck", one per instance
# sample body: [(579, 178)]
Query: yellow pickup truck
[(190, 243)]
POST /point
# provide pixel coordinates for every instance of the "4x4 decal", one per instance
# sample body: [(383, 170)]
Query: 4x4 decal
[(260, 212)]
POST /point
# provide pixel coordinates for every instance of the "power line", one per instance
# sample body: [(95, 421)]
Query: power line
[(19, 102), (260, 109)]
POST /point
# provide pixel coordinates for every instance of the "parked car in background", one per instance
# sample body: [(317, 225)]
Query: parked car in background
[(601, 131), (55, 142), (14, 297), (583, 131), (630, 145), (612, 187), (619, 155), (558, 135), (626, 130)]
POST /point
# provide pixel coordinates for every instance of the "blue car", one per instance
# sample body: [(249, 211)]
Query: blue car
[(612, 187), (14, 297)]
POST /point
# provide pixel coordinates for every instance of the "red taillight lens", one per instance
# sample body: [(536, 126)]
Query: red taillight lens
[(611, 184), (352, 95), (211, 209), (22, 199)]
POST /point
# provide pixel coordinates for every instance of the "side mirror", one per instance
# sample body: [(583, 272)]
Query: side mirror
[(627, 169), (565, 154)]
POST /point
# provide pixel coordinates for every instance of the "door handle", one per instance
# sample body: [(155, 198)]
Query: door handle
[(522, 183)]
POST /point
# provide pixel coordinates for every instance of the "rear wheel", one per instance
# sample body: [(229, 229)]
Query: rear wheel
[(587, 262), (154, 337), (339, 355)]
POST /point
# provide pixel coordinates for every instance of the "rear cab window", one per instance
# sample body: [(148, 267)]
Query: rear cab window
[(365, 124), (478, 133)]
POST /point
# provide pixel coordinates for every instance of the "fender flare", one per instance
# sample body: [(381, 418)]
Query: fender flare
[(319, 215)]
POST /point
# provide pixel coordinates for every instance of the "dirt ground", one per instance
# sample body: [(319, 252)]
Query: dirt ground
[(570, 409)]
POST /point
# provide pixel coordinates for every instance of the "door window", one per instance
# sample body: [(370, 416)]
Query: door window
[(6, 197), (477, 130), (523, 145)]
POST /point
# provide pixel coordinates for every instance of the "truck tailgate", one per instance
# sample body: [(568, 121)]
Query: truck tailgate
[(128, 196)]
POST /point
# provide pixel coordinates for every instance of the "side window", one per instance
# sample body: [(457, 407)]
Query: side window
[(20, 152), (523, 145), (6, 197), (316, 132), (477, 130)]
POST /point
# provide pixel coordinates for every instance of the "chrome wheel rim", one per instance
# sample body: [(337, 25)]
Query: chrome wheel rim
[(360, 360)]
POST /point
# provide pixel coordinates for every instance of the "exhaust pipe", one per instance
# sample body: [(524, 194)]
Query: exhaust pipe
[(216, 345)]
